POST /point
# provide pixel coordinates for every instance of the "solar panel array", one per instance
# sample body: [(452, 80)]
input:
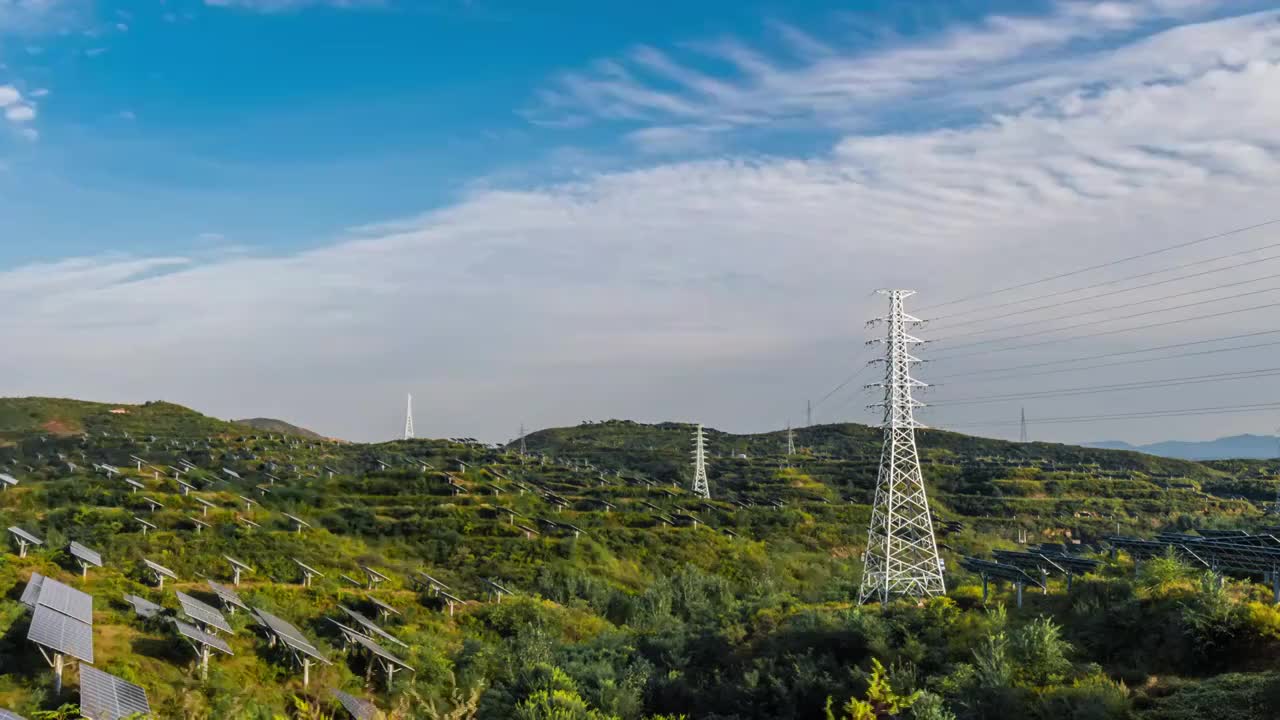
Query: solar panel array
[(203, 613), (359, 708), (143, 607), (25, 536), (10, 715), (84, 554), (288, 634), (381, 652), (160, 569), (63, 619), (200, 637), (62, 634), (370, 625), (227, 595), (104, 696), (65, 600)]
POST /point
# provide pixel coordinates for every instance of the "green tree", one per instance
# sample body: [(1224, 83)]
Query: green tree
[(880, 703)]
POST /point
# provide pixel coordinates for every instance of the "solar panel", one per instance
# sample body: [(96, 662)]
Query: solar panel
[(383, 606), (61, 633), (432, 581), (203, 613), (160, 569), (31, 593), (310, 570), (143, 607), (381, 652), (8, 479), (84, 554), (231, 473), (11, 715), (144, 523), (204, 502), (237, 563), (373, 573), (106, 697), (369, 625), (498, 587), (200, 637), (25, 536), (359, 708), (227, 595), (153, 502), (278, 627), (298, 520), (66, 600), (135, 483)]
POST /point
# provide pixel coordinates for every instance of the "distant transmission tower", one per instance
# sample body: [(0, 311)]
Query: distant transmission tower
[(524, 450), (701, 487), (1023, 435), (408, 420), (902, 555), (808, 413), (791, 440)]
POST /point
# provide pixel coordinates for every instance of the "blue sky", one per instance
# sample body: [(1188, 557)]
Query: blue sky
[(641, 207)]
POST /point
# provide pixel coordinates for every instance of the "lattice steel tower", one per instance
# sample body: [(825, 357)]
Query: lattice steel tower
[(408, 420), (701, 487), (1022, 434), (902, 555), (791, 440)]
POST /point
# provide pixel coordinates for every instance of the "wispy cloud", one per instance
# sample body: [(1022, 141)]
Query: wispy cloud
[(849, 83)]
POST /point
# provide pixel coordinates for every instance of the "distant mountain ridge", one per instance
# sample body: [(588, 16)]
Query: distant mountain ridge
[(1234, 447)]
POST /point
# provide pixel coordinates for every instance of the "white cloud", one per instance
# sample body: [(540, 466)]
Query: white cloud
[(20, 113), (9, 95), (724, 290)]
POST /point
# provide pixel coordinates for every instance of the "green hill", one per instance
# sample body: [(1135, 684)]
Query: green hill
[(279, 426), (632, 599)]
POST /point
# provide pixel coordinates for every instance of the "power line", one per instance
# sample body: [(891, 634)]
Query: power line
[(1106, 332), (1100, 266), (1219, 410), (1094, 389), (1119, 354), (1107, 320), (1127, 305), (1104, 283), (1125, 362), (1118, 292)]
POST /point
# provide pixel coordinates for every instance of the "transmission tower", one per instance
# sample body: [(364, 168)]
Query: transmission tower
[(808, 413), (1023, 434), (408, 420), (524, 450), (701, 487), (902, 555), (791, 441)]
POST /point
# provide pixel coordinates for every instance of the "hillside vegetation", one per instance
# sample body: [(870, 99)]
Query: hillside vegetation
[(630, 598)]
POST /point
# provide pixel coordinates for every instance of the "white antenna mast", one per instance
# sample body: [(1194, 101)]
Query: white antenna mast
[(408, 420), (701, 487), (902, 555)]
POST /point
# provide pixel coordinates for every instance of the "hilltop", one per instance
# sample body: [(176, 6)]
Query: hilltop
[(279, 426), (629, 598), (22, 417)]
